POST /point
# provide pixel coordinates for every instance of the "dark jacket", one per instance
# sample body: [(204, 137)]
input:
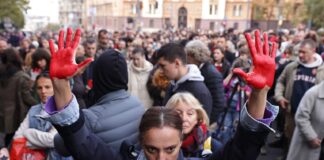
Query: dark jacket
[(192, 82), (15, 100), (214, 82), (84, 145)]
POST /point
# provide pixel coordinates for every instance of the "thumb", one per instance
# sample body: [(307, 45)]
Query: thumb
[(85, 63), (240, 72)]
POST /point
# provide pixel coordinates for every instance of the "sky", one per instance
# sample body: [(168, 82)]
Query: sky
[(48, 8)]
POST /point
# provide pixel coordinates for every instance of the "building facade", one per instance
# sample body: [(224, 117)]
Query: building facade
[(70, 12), (152, 15)]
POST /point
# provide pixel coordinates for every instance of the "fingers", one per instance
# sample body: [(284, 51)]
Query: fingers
[(258, 43), (274, 50), (251, 46), (61, 40), (85, 63), (240, 73), (265, 44), (68, 37), (52, 47), (76, 39)]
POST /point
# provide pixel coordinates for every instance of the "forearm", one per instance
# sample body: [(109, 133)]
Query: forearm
[(257, 103), (62, 93), (40, 139)]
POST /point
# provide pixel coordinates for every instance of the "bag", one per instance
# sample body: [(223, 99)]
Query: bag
[(19, 151)]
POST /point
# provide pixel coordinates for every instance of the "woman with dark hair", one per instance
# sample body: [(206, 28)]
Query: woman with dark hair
[(15, 93), (38, 132), (40, 62), (220, 62)]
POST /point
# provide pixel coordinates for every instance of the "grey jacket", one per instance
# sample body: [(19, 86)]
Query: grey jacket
[(309, 125), (114, 119)]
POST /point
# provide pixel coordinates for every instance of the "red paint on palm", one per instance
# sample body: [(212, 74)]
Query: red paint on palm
[(63, 63), (263, 60)]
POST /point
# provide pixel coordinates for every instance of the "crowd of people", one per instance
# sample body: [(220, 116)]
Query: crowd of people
[(171, 94)]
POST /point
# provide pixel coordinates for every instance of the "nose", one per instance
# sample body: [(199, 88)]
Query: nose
[(162, 156)]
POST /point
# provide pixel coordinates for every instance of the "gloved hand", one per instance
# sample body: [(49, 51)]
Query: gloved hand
[(263, 59), (63, 63)]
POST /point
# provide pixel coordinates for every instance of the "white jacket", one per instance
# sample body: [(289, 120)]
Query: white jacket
[(137, 79)]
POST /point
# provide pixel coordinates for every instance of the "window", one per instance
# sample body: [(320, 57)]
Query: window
[(133, 8), (234, 10), (210, 9), (240, 11), (211, 25), (215, 9), (151, 23), (150, 8)]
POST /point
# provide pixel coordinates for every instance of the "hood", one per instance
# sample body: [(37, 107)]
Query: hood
[(109, 73), (317, 62), (193, 74), (147, 67)]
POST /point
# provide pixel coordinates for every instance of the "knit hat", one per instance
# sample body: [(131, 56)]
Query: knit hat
[(109, 73)]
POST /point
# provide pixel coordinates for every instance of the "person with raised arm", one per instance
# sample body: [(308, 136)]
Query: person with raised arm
[(83, 143)]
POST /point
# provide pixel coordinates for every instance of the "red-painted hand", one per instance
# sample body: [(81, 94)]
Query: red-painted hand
[(63, 63), (263, 62)]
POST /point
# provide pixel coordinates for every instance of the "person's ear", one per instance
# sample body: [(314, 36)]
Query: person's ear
[(177, 62)]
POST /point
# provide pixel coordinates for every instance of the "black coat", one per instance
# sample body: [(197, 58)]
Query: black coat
[(84, 145), (214, 82), (198, 89)]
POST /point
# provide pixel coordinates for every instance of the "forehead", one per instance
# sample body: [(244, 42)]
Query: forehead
[(164, 62), (44, 81), (181, 105), (162, 137)]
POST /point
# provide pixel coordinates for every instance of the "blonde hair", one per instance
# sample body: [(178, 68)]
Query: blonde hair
[(189, 99)]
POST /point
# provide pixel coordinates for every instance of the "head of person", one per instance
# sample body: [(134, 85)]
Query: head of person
[(306, 51), (41, 59), (80, 52), (44, 43), (109, 73), (189, 109), (172, 60), (122, 44), (160, 133), (24, 44), (103, 38), (221, 41), (10, 63), (289, 51), (90, 47), (218, 54), (197, 52), (3, 45), (138, 57), (244, 53), (44, 86)]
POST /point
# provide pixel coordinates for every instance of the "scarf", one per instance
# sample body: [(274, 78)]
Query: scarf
[(194, 142)]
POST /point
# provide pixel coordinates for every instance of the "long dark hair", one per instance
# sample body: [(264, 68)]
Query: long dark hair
[(158, 117), (10, 63), (40, 54)]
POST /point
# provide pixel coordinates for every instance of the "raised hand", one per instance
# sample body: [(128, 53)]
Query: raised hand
[(263, 59), (63, 63)]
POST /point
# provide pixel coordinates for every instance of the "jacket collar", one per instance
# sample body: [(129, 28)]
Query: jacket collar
[(122, 93)]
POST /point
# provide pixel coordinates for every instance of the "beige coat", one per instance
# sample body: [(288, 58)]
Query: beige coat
[(285, 81), (309, 125), (137, 79)]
